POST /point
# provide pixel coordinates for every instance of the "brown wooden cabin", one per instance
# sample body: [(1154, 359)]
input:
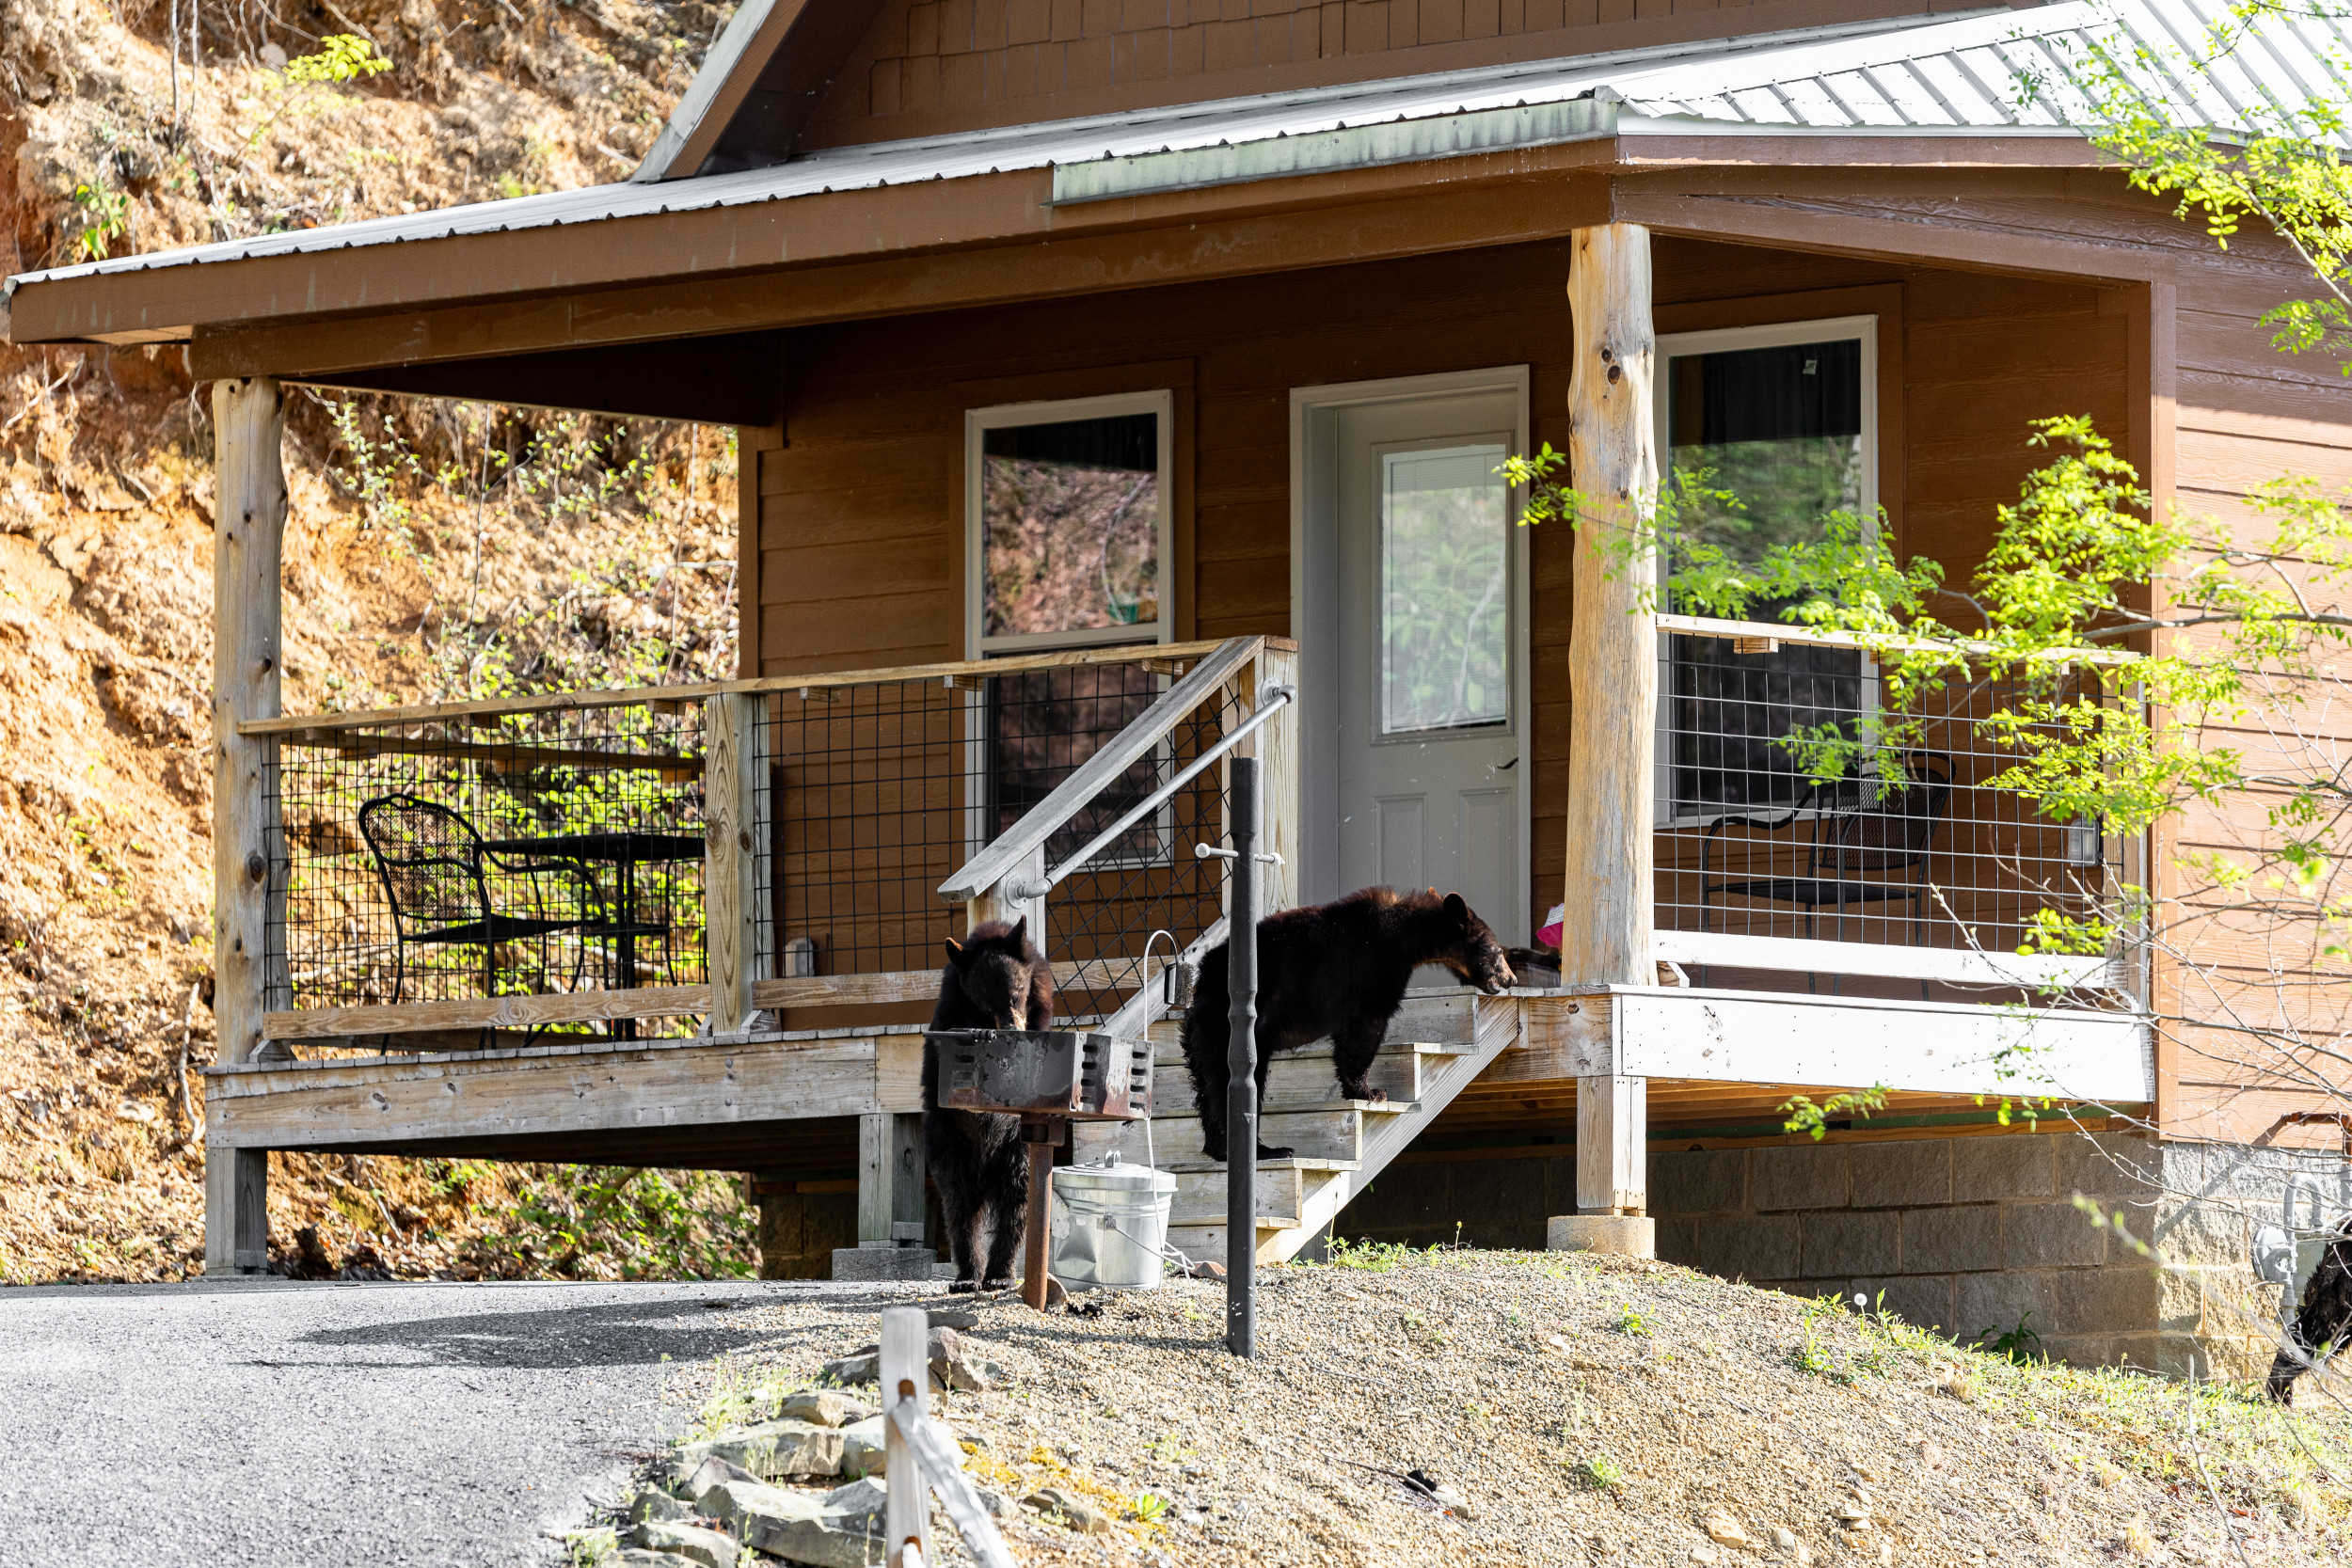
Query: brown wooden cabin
[(1261, 293)]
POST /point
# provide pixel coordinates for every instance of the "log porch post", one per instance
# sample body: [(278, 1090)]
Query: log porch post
[(1612, 673), (250, 525)]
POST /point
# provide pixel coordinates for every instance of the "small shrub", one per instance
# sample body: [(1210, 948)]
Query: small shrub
[(1599, 1470), (1630, 1321)]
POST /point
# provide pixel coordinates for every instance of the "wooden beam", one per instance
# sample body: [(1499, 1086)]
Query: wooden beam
[(1612, 1145), (890, 1175), (492, 1012), (248, 534), (736, 840), (1276, 746), (724, 379), (322, 723), (1612, 648), (1958, 966)]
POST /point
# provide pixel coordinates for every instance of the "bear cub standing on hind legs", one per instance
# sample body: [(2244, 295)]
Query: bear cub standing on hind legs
[(1337, 968), (993, 979)]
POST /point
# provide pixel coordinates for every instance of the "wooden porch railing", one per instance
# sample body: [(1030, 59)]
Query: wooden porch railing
[(703, 756)]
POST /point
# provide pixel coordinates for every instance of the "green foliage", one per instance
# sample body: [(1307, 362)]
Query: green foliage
[(1631, 1322), (1147, 1506), (1371, 1256), (607, 1223), (105, 219), (2018, 1343), (1805, 1116), (295, 91), (2281, 164)]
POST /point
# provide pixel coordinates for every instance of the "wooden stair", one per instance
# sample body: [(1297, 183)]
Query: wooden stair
[(1439, 1042)]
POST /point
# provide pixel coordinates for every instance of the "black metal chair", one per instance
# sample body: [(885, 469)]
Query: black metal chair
[(1866, 833), (431, 862)]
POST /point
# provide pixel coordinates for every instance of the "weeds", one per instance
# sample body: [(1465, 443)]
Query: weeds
[(2020, 1344), (1599, 1470), (1631, 1322)]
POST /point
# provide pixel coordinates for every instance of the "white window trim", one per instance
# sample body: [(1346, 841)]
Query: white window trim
[(1722, 339), (977, 420)]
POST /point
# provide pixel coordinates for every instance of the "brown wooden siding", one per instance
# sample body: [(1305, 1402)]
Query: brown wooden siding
[(860, 511), (929, 65), (2246, 414)]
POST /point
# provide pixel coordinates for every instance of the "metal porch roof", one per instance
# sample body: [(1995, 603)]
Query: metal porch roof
[(1995, 72)]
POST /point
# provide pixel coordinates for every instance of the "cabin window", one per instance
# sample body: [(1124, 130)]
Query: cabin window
[(1068, 508), (1785, 418)]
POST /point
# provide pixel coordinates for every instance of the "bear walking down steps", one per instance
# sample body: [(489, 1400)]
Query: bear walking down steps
[(1337, 968), (993, 979)]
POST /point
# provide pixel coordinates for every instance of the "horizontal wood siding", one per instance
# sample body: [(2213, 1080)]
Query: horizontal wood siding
[(929, 65), (2273, 1001), (861, 511)]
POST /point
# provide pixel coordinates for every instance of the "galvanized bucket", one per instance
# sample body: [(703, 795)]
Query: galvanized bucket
[(1111, 1225)]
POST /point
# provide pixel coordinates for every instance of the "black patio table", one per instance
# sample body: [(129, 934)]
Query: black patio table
[(625, 851)]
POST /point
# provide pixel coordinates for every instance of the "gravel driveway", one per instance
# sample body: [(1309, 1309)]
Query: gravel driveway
[(266, 1422)]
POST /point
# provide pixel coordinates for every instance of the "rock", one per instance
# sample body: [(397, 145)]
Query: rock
[(862, 1447), (772, 1449), (634, 1557), (738, 1504), (845, 1531), (705, 1546), (958, 1319), (692, 1481), (859, 1366), (1784, 1538), (1724, 1530), (999, 1505), (1705, 1554), (1453, 1501), (1075, 1510), (650, 1503), (950, 1367), (824, 1407)]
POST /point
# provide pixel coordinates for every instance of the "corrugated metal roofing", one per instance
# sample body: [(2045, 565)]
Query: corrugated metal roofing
[(1997, 73)]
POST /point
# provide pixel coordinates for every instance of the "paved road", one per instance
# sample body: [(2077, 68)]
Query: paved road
[(264, 1422)]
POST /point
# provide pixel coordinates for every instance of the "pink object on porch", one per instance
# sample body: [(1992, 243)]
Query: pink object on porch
[(1547, 935)]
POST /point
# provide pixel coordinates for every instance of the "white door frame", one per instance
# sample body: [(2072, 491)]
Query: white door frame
[(1315, 616)]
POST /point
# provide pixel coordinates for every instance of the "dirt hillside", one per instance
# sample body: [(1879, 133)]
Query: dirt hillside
[(415, 566)]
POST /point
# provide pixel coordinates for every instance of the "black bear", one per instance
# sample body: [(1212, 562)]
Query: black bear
[(1337, 968), (993, 979), (2322, 1319)]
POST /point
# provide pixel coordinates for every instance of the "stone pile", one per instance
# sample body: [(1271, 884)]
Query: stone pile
[(804, 1485)]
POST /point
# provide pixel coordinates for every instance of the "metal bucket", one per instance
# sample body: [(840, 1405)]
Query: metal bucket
[(1109, 1224)]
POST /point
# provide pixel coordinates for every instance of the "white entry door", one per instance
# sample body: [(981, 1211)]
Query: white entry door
[(1429, 645)]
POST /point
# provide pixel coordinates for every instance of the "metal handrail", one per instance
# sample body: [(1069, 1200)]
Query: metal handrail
[(1004, 854), (1271, 698)]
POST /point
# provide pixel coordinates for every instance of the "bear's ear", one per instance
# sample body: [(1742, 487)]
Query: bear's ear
[(1455, 909), (1020, 933), (956, 955)]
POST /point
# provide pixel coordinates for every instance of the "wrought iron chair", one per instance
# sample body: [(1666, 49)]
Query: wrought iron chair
[(1867, 833), (431, 864)]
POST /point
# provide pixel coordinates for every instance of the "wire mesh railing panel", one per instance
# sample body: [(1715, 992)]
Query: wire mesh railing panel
[(876, 793), (1792, 804), (489, 855)]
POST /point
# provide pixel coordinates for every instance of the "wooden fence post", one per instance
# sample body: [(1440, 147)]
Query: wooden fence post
[(890, 1175), (1612, 673), (248, 533), (905, 1375), (736, 846), (1277, 746)]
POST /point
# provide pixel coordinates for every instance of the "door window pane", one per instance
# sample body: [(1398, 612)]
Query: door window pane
[(1780, 428), (1445, 534), (1071, 514)]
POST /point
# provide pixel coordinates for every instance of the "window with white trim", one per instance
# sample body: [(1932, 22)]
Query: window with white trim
[(1068, 511), (1785, 418)]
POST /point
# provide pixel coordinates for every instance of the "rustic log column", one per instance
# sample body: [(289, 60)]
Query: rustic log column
[(1613, 675), (250, 524)]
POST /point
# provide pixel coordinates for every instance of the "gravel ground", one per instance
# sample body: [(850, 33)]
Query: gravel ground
[(264, 1422), (1589, 1411)]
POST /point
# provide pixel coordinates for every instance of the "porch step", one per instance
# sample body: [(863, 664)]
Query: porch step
[(1305, 1077), (1333, 1130)]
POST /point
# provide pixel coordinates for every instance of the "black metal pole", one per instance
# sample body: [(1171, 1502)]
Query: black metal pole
[(1241, 1060)]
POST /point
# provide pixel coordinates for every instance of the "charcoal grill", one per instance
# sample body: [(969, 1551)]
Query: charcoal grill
[(1049, 1078)]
